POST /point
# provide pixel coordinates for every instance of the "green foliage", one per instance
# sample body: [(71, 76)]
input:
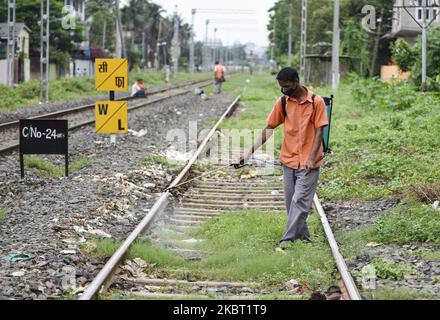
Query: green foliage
[(376, 93), (3, 212), (391, 271), (401, 294), (242, 246), (355, 44), (408, 223), (403, 54), (102, 15), (159, 160), (355, 40), (46, 169)]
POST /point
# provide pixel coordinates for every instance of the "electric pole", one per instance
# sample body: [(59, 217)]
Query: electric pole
[(303, 40), (214, 46), (176, 45), (335, 48), (289, 59), (376, 44), (424, 44), (206, 51), (120, 41), (10, 51), (44, 49), (156, 57), (191, 49)]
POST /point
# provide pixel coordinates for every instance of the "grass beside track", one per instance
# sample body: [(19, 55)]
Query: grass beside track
[(66, 89), (46, 169)]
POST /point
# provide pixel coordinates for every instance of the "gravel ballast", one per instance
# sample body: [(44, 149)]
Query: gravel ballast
[(52, 219)]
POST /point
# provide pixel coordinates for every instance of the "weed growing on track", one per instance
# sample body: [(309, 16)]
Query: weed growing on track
[(3, 212), (409, 223), (425, 254), (159, 160), (46, 169), (242, 248), (400, 294), (392, 271)]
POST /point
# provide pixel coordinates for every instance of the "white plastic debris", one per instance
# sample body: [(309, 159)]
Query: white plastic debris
[(191, 241), (174, 155), (274, 192), (100, 233), (435, 205), (18, 274), (68, 252), (138, 134), (119, 177)]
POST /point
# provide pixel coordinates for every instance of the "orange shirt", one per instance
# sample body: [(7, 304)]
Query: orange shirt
[(218, 72), (299, 128)]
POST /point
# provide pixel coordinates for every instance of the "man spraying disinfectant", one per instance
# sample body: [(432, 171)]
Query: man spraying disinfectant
[(304, 117)]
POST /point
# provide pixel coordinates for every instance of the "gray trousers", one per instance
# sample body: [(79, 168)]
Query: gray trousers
[(218, 86), (299, 190)]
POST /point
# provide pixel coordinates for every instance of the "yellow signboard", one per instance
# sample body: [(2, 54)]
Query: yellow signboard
[(111, 74), (111, 117)]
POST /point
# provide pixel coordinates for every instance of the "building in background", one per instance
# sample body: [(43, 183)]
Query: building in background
[(21, 63), (404, 26)]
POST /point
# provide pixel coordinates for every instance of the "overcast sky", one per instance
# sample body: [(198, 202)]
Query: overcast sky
[(253, 30)]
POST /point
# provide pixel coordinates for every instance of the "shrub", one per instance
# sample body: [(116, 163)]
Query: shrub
[(403, 55)]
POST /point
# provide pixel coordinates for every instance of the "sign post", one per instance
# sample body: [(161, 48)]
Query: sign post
[(111, 116), (44, 137)]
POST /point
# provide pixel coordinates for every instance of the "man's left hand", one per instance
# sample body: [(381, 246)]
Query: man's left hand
[(310, 164)]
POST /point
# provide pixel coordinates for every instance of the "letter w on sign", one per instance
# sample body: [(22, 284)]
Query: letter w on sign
[(111, 117)]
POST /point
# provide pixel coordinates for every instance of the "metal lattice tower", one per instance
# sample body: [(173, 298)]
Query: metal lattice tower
[(303, 40), (11, 42), (44, 49)]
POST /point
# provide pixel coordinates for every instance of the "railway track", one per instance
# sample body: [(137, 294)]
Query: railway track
[(205, 199), (9, 131)]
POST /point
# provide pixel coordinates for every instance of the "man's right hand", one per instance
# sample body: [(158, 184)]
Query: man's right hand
[(241, 161)]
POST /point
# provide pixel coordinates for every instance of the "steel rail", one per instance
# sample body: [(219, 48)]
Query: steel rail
[(340, 263), (15, 146), (95, 287), (7, 125)]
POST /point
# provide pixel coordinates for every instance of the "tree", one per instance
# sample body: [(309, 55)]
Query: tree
[(141, 18), (320, 25), (403, 55), (102, 17)]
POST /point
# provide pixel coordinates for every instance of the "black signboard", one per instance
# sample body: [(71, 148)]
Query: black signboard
[(43, 137)]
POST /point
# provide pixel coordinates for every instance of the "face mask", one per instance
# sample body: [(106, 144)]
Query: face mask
[(288, 92)]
